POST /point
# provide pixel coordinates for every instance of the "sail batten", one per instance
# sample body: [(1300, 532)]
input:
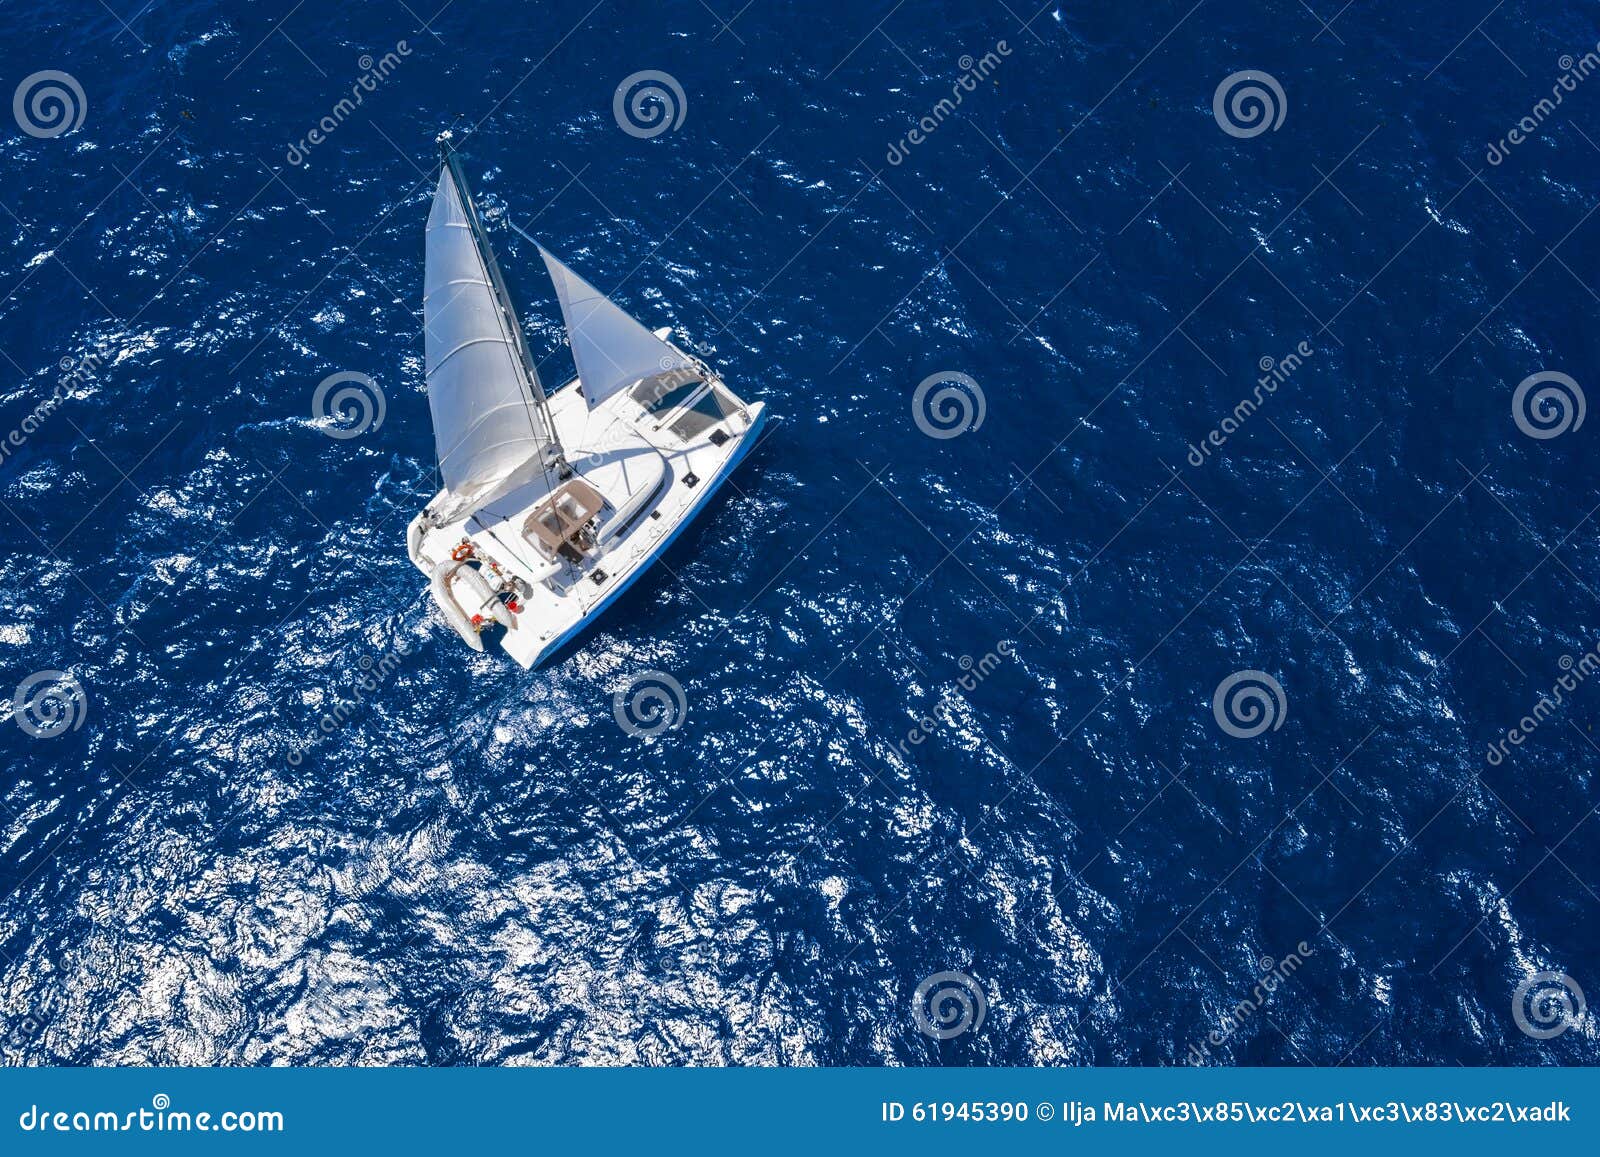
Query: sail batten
[(490, 432), (610, 349)]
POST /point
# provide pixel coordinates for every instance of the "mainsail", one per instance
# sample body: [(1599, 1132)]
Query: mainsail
[(490, 425), (610, 349)]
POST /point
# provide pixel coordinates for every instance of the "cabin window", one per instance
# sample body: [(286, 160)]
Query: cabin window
[(660, 393), (712, 408)]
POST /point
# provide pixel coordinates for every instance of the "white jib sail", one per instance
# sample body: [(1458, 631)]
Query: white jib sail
[(489, 434), (610, 349)]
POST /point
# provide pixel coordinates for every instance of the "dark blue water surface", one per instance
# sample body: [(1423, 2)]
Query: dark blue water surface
[(475, 864)]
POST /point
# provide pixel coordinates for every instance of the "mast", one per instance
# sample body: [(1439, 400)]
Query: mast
[(532, 387)]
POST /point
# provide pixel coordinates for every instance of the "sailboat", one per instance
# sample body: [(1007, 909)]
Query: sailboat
[(553, 503)]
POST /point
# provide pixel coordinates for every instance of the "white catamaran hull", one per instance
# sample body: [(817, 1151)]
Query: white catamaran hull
[(653, 481)]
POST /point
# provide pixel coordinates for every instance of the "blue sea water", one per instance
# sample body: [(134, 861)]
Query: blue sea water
[(947, 701)]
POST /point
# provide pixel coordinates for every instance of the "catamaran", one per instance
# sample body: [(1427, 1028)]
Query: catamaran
[(553, 504)]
